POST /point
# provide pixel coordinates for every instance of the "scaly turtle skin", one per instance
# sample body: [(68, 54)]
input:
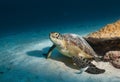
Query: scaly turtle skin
[(75, 47), (105, 40)]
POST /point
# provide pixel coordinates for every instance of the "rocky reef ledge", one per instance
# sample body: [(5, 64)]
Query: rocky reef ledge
[(105, 39)]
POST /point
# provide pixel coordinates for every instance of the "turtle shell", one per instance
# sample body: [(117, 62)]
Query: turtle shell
[(106, 39), (79, 41)]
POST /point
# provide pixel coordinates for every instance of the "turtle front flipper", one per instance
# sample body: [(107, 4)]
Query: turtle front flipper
[(82, 62), (49, 51)]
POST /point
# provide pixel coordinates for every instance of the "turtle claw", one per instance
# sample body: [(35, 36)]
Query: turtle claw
[(82, 70)]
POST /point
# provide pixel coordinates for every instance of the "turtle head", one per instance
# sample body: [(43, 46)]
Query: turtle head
[(56, 38)]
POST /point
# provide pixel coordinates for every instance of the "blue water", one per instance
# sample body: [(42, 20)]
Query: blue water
[(25, 15), (24, 31)]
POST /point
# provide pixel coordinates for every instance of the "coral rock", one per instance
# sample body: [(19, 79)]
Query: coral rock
[(109, 31), (105, 39)]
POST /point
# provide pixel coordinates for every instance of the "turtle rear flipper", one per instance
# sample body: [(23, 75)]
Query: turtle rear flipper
[(92, 69), (82, 62)]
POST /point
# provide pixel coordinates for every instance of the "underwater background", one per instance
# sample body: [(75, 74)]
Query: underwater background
[(26, 15), (24, 36)]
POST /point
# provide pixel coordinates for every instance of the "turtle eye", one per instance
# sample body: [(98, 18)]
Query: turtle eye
[(56, 35)]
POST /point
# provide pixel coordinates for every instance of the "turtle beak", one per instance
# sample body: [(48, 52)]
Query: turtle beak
[(51, 34)]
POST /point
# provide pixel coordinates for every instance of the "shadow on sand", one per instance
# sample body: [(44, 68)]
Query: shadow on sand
[(55, 56)]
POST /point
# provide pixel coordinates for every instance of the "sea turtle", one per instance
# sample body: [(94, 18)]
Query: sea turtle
[(75, 47), (106, 41)]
